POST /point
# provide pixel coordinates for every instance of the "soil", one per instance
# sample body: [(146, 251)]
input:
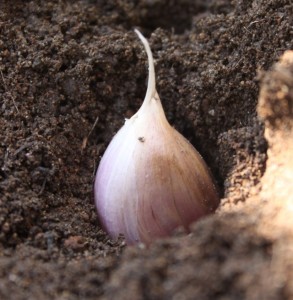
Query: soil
[(71, 71)]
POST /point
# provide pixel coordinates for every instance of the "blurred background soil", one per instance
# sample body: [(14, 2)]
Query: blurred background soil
[(71, 71)]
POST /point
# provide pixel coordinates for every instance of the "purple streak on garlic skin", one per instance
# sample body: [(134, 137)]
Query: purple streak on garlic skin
[(115, 181), (151, 180)]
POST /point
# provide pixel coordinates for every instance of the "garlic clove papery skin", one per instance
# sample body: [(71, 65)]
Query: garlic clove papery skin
[(151, 180)]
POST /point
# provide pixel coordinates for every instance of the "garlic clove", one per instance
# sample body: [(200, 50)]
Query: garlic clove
[(151, 179)]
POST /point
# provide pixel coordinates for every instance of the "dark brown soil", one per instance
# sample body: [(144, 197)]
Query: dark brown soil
[(63, 64)]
